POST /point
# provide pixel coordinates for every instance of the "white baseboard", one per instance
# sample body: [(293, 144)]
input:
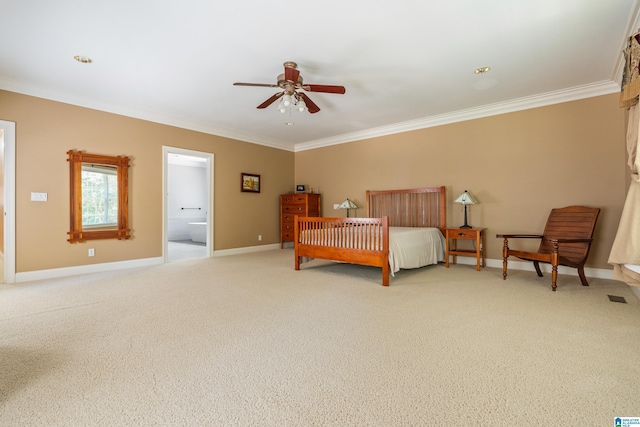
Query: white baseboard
[(53, 273), (245, 250), (29, 276)]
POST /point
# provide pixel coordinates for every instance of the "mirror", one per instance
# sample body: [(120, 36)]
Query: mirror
[(102, 181)]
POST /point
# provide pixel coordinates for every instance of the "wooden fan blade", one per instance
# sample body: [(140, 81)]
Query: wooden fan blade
[(311, 106), (255, 84), (291, 74), (271, 100), (324, 88)]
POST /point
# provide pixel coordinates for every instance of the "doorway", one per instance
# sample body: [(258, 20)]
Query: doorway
[(187, 204), (7, 188)]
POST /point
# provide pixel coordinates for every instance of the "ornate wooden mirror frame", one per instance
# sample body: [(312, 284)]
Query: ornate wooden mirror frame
[(121, 231)]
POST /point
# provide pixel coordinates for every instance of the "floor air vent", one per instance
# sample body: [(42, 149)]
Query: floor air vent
[(614, 298)]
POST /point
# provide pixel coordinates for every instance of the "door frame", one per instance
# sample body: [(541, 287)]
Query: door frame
[(9, 129), (209, 157)]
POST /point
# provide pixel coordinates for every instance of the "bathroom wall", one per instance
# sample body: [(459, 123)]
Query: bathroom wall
[(186, 199)]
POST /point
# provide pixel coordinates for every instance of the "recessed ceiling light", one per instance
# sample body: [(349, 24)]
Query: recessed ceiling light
[(83, 59), (481, 70), (289, 123)]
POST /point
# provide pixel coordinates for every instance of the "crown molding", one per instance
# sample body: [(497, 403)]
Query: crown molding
[(545, 99), (123, 110)]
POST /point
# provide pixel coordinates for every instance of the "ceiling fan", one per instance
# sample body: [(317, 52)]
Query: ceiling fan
[(290, 82)]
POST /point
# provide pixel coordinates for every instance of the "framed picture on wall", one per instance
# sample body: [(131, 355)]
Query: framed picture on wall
[(250, 182), (300, 188)]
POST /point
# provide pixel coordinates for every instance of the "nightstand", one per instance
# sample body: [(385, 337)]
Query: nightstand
[(452, 235)]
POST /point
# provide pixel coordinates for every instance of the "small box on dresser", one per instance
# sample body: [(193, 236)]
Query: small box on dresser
[(301, 204)]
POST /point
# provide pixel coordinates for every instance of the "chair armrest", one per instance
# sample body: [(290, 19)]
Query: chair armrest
[(520, 236), (570, 240)]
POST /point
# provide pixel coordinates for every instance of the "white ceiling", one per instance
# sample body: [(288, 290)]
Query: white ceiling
[(405, 64)]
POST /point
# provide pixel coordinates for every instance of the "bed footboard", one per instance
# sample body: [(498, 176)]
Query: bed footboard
[(362, 241)]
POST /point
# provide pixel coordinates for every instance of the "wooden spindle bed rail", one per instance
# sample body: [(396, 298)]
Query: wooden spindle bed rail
[(355, 240)]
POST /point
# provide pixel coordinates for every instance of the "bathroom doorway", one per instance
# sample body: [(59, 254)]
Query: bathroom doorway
[(187, 204)]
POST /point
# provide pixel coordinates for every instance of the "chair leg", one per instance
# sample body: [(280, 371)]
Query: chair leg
[(536, 264), (554, 266), (505, 255), (583, 278)]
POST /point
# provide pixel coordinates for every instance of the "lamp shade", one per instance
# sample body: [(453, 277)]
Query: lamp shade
[(466, 199), (348, 204)]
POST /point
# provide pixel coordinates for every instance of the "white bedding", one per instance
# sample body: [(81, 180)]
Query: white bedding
[(412, 247)]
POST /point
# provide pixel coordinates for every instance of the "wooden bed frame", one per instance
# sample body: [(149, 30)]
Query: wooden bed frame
[(365, 241)]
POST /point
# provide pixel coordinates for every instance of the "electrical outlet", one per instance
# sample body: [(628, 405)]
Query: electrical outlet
[(92, 252), (336, 206), (260, 237)]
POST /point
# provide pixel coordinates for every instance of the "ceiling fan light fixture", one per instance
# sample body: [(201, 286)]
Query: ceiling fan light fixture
[(482, 70), (299, 102), (83, 59)]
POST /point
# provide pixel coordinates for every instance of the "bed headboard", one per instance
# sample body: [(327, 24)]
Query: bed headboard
[(417, 207)]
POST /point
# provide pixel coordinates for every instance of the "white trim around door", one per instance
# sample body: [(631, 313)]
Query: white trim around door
[(9, 132), (209, 157)]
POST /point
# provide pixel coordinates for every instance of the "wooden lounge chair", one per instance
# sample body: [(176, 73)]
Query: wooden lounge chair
[(566, 241)]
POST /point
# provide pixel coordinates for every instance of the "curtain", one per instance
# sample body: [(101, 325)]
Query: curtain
[(630, 81), (625, 252)]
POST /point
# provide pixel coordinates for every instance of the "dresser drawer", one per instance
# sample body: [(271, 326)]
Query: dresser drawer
[(287, 236), (291, 199), (294, 209), (287, 226), (287, 218)]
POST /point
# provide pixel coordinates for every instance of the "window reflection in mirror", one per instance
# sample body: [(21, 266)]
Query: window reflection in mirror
[(99, 197)]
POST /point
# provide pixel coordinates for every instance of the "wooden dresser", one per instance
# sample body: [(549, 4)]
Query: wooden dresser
[(301, 204)]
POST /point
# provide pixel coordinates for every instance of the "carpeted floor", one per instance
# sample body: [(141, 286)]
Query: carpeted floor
[(245, 340)]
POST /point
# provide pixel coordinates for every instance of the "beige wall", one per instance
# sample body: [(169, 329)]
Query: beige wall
[(518, 165), (46, 130)]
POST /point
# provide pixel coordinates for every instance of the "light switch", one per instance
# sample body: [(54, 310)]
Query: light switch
[(38, 197)]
